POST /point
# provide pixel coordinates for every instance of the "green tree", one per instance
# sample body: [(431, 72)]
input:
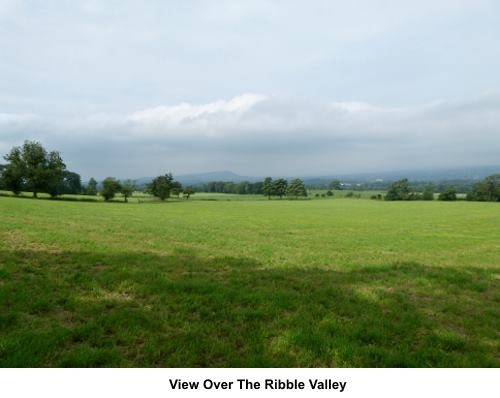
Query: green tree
[(2, 171), (64, 182), (43, 171), (176, 188), (399, 190), (428, 193), (13, 172), (35, 166), (329, 193), (55, 183), (127, 189), (161, 186), (493, 187), (279, 187), (448, 194), (188, 192), (91, 187), (268, 187), (110, 187), (296, 189), (72, 182), (335, 185), (487, 190), (256, 188), (39, 170)]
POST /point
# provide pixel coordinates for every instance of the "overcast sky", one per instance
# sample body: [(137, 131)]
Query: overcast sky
[(139, 88)]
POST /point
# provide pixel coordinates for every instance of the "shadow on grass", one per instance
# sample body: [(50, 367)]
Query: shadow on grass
[(95, 199), (55, 198), (139, 309)]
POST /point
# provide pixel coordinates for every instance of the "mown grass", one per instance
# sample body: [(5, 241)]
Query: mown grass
[(249, 283)]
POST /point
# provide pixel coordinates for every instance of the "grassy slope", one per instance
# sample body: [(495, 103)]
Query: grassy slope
[(249, 283)]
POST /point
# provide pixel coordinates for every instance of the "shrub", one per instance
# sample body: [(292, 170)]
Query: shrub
[(486, 190), (448, 194), (428, 194)]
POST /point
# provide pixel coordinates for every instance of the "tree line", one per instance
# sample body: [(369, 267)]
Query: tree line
[(280, 187), (486, 190), (240, 188), (32, 168), (162, 187)]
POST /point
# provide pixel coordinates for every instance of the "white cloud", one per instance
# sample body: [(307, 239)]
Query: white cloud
[(188, 113)]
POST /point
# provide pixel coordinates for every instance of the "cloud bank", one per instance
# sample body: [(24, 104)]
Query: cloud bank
[(257, 134)]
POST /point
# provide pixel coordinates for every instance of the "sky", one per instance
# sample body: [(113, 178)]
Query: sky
[(319, 87)]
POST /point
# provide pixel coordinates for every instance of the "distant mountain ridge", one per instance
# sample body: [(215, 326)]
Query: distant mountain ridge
[(191, 179), (432, 175), (202, 178)]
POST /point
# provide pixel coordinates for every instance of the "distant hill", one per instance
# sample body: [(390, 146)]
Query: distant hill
[(432, 175), (191, 179), (201, 178)]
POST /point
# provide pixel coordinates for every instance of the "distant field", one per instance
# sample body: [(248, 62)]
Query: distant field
[(239, 282), (141, 197)]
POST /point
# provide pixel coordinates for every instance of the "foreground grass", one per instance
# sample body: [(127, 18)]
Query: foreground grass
[(263, 283)]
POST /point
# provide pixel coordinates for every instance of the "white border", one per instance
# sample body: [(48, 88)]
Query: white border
[(138, 383)]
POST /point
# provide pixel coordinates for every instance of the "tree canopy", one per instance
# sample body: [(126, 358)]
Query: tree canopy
[(448, 194), (268, 187), (279, 187), (296, 189), (428, 193), (110, 187), (399, 190), (32, 168), (127, 189), (176, 188), (187, 192), (161, 186), (487, 190), (91, 188)]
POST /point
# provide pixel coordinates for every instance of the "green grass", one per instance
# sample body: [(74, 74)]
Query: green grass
[(329, 282)]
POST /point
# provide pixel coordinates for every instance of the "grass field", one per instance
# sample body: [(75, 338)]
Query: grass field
[(334, 282)]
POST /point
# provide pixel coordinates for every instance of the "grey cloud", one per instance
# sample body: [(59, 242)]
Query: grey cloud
[(257, 134)]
